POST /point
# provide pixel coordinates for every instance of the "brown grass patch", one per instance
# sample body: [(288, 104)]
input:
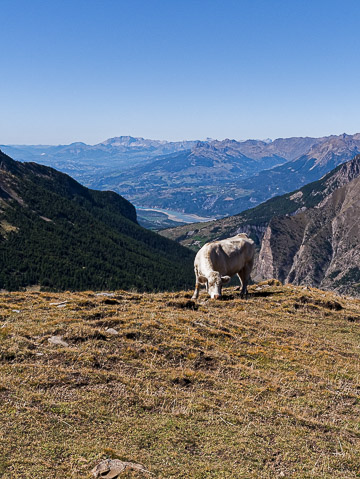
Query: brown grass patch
[(260, 388)]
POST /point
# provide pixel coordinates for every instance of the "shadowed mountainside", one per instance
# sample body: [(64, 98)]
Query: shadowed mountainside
[(57, 234)]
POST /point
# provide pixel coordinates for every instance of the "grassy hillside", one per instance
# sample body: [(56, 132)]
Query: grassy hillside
[(60, 235), (261, 388)]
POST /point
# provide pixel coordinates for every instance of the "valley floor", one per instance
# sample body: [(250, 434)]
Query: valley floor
[(260, 388)]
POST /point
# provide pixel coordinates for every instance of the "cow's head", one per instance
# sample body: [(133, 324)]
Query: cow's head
[(215, 283)]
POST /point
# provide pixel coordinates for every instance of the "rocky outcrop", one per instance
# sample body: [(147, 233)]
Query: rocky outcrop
[(256, 232), (320, 246), (264, 267)]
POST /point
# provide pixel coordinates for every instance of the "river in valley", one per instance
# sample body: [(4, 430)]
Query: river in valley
[(177, 215)]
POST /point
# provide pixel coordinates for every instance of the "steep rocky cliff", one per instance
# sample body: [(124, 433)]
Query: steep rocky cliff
[(319, 246)]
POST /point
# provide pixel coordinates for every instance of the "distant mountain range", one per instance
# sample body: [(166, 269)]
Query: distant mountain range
[(310, 236), (59, 235), (211, 179), (322, 157), (86, 163), (218, 179), (194, 180)]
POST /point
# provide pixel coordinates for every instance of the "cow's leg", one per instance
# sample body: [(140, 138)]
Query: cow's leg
[(197, 285), (242, 277), (245, 276), (239, 288), (196, 292)]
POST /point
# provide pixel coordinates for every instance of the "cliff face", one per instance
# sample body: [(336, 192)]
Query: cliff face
[(265, 264), (319, 246)]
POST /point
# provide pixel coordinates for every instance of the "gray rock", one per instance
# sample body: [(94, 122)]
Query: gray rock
[(111, 331), (62, 304), (58, 341), (111, 468)]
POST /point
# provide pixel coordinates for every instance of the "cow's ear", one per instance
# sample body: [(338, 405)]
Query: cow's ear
[(202, 279), (225, 279)]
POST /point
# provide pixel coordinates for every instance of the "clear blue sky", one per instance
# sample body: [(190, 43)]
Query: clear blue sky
[(87, 70)]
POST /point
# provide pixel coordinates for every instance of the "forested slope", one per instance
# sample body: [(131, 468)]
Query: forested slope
[(60, 235)]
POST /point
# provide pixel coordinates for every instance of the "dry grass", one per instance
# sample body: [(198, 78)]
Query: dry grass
[(261, 388)]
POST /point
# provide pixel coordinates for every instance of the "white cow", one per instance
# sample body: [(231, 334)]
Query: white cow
[(216, 262)]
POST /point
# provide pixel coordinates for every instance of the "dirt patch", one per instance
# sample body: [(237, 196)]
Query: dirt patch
[(183, 305), (353, 319), (110, 301), (307, 301)]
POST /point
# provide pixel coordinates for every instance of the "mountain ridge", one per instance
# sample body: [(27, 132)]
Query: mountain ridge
[(84, 162), (194, 180), (322, 158), (222, 178)]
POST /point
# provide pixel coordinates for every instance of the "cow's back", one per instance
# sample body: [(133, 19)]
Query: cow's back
[(228, 256), (231, 255), (238, 247)]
